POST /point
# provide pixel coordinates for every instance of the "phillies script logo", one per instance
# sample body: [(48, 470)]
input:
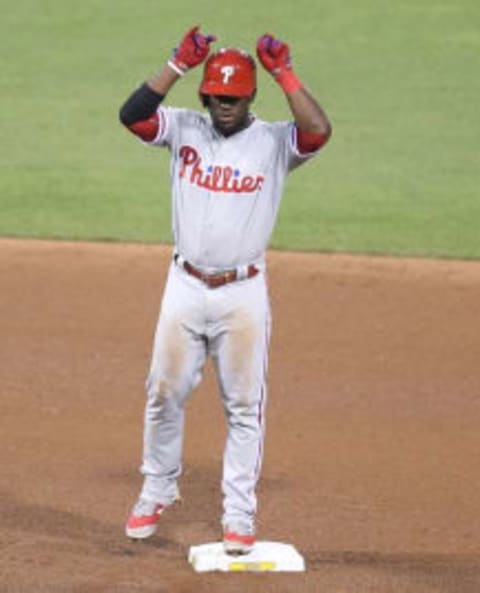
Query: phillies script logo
[(215, 178)]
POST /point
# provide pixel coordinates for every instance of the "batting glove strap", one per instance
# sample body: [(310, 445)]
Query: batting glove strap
[(179, 69), (192, 51)]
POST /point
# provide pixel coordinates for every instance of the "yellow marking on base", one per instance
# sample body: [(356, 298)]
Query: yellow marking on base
[(253, 566)]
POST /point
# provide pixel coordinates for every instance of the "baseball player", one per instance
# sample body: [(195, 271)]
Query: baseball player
[(227, 175)]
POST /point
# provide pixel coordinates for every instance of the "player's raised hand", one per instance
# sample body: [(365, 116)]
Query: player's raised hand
[(274, 55), (192, 50)]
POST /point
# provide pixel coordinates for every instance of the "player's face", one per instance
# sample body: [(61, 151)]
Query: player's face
[(229, 114)]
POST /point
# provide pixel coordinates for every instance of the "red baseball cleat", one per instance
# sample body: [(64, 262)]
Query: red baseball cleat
[(238, 542), (143, 519)]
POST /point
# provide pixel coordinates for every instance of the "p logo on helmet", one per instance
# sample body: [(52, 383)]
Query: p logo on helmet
[(227, 72), (230, 72)]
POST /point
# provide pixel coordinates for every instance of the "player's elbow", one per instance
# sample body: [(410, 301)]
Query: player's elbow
[(308, 141), (324, 131), (316, 131), (327, 133), (124, 116), (322, 127)]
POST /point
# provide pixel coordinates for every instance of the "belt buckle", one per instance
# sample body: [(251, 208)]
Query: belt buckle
[(214, 280)]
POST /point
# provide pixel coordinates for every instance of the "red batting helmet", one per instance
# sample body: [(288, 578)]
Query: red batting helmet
[(230, 72)]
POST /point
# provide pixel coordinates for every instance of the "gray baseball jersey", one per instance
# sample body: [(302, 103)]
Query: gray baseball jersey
[(226, 191)]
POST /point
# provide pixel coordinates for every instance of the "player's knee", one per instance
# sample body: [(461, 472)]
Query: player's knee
[(242, 413), (158, 391), (163, 390)]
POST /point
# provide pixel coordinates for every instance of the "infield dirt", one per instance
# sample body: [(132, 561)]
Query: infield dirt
[(372, 464)]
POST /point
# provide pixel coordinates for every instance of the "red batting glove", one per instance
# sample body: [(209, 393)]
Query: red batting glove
[(191, 52), (274, 56)]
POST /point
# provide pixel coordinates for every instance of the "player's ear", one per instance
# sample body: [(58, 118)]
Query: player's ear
[(252, 96), (205, 100)]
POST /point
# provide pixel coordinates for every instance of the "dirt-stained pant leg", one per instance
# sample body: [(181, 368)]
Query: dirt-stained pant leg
[(178, 358), (239, 345)]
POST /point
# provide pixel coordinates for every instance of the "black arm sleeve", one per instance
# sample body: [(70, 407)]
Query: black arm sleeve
[(141, 104)]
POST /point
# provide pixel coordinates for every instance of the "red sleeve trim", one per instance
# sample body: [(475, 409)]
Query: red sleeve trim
[(146, 129), (308, 142)]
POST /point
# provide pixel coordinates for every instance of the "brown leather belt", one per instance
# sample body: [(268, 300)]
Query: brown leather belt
[(215, 280)]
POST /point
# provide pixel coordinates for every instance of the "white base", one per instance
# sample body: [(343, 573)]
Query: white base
[(265, 557)]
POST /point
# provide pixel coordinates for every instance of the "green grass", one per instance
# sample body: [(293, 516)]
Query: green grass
[(399, 81)]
